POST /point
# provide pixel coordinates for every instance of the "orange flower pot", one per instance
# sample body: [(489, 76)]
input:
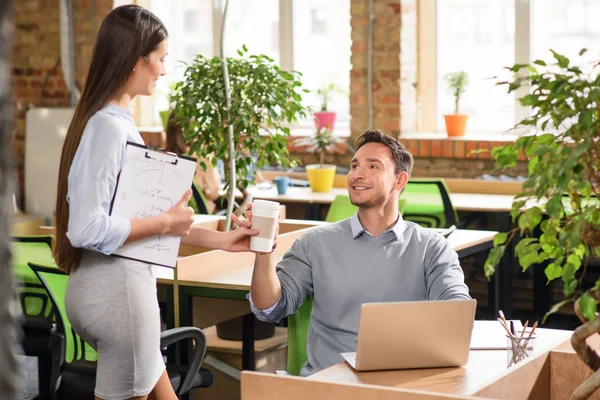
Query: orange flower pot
[(456, 124)]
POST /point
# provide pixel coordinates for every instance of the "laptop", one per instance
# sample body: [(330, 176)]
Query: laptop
[(415, 334)]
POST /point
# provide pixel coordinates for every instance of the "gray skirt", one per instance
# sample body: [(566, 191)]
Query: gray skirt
[(111, 303)]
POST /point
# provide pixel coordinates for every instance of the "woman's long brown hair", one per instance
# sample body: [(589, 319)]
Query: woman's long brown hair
[(126, 34)]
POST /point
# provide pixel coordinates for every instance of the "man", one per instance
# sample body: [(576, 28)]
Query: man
[(375, 256)]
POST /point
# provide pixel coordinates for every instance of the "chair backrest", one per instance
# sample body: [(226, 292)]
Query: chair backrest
[(198, 200), (33, 239), (33, 295), (55, 281), (428, 203), (341, 208), (297, 334)]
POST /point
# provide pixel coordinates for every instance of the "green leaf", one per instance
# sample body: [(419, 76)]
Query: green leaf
[(587, 305), (574, 260), (563, 61), (532, 164), (553, 271), (568, 271), (540, 62), (555, 308), (500, 239), (494, 257), (554, 207), (529, 100), (582, 52), (569, 287), (530, 219)]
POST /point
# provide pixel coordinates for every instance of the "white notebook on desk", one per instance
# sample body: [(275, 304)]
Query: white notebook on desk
[(489, 335)]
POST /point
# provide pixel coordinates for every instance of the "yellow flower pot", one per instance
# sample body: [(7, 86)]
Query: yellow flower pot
[(321, 177)]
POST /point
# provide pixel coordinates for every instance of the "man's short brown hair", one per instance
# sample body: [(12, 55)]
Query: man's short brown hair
[(401, 156)]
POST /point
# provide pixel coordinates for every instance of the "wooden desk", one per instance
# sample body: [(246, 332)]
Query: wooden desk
[(483, 368), (552, 374), (208, 280)]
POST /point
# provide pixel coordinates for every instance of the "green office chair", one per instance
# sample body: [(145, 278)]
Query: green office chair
[(428, 203), (74, 361), (297, 335), (341, 208), (35, 303), (33, 296), (198, 200)]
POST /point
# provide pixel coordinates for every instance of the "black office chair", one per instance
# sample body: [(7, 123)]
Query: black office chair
[(74, 361)]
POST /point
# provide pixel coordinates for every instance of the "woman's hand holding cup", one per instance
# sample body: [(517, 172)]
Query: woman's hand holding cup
[(262, 216)]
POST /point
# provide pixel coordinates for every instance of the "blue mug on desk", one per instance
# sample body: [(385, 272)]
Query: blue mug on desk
[(282, 183)]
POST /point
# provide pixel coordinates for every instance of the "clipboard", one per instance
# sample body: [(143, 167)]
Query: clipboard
[(150, 183)]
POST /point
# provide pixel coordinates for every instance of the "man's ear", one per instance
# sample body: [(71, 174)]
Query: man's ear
[(401, 180)]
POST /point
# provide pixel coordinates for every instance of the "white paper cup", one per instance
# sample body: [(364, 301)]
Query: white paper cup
[(265, 218)]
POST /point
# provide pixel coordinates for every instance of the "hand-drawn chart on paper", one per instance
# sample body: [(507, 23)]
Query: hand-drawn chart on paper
[(150, 183)]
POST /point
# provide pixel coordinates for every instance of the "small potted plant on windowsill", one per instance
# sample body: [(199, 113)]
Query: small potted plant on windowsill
[(456, 123), (326, 118), (321, 176)]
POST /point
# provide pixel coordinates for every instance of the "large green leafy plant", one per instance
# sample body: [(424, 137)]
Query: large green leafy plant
[(264, 100), (560, 195)]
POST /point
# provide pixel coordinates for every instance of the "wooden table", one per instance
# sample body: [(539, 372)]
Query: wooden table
[(483, 367), (203, 280)]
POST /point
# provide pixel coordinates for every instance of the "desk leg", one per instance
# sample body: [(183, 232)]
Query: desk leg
[(248, 342), (313, 212), (500, 294), (185, 319), (170, 321)]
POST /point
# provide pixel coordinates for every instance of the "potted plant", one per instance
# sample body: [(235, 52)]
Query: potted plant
[(564, 183), (326, 118), (264, 100), (456, 123), (321, 176)]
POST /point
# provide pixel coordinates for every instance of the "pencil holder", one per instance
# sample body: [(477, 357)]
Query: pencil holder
[(519, 347)]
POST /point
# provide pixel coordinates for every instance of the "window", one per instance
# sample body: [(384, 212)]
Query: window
[(256, 27), (309, 36), (481, 37), (323, 54)]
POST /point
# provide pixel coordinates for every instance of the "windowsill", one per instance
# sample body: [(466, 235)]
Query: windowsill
[(487, 136)]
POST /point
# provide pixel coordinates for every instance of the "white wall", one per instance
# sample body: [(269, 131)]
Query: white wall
[(45, 131)]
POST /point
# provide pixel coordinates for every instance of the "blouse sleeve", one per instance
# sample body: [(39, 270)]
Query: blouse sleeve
[(92, 183)]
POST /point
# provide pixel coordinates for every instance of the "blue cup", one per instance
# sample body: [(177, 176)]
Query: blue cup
[(282, 183)]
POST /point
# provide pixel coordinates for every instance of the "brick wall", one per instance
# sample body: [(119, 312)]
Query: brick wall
[(386, 66), (36, 71)]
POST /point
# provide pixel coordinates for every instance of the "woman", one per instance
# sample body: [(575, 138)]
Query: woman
[(209, 181), (110, 301)]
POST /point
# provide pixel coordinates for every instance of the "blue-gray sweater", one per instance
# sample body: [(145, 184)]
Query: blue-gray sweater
[(343, 266)]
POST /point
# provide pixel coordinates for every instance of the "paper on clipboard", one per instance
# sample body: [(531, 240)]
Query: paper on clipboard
[(149, 184)]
